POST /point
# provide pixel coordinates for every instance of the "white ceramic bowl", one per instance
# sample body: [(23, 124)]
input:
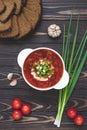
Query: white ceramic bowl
[(59, 85)]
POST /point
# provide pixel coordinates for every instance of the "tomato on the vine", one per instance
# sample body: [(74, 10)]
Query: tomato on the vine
[(79, 120), (26, 109), (71, 113), (17, 114), (16, 103)]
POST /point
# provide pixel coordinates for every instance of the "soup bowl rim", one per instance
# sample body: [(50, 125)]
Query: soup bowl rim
[(35, 87)]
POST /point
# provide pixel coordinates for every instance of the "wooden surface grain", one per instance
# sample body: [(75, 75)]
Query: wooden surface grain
[(44, 104)]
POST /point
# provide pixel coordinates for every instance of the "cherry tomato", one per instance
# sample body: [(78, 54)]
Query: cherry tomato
[(71, 113), (26, 109), (17, 114), (16, 103), (79, 120)]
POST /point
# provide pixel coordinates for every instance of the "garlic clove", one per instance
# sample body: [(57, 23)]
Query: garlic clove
[(59, 31), (54, 35), (50, 29), (57, 27), (52, 26), (50, 33), (9, 76), (13, 83)]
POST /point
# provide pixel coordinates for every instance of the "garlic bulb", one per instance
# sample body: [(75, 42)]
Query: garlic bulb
[(54, 31)]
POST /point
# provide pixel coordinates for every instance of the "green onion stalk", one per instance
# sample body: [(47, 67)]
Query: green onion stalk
[(74, 60)]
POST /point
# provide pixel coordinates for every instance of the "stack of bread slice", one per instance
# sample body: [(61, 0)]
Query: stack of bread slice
[(18, 17)]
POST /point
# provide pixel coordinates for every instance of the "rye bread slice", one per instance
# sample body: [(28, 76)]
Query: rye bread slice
[(35, 1), (31, 16), (24, 26), (24, 3), (34, 5), (9, 10), (14, 30), (5, 26), (2, 6), (18, 4)]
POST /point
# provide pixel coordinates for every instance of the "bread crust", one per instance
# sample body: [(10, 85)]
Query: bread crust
[(5, 26), (9, 10), (31, 16), (2, 6), (34, 6), (24, 26), (14, 29)]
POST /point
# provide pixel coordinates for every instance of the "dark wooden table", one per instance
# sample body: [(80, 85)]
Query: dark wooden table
[(44, 104)]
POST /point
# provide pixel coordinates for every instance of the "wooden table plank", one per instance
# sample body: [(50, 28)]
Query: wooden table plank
[(61, 10)]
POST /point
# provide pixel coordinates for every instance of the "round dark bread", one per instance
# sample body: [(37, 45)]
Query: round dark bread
[(34, 6), (31, 16), (8, 11), (2, 6), (20, 17), (34, 1), (24, 26), (18, 4), (5, 26), (14, 31), (31, 12), (24, 2)]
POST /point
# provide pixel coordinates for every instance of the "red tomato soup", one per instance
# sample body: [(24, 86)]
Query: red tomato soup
[(43, 68)]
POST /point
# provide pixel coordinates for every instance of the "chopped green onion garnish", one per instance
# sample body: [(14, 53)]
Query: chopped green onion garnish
[(43, 68)]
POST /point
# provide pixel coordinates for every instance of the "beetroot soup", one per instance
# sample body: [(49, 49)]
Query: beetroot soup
[(43, 68)]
